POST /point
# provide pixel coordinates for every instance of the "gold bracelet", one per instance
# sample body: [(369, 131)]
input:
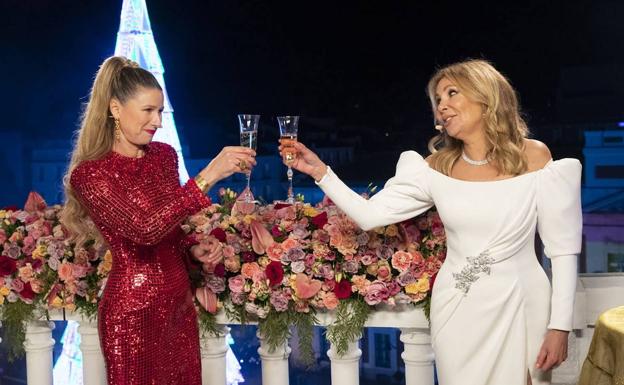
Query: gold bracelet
[(202, 183)]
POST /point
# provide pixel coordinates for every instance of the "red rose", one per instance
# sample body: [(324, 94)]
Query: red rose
[(8, 266), (281, 206), (343, 289), (10, 208), (274, 273), (27, 293), (320, 220), (249, 256), (218, 233), (276, 232), (219, 270)]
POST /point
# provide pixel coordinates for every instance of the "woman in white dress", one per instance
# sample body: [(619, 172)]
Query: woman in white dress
[(494, 318)]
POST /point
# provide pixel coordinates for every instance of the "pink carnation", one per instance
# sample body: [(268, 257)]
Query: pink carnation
[(401, 260)]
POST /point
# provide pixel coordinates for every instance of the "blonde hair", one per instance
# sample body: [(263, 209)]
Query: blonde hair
[(505, 130), (119, 78)]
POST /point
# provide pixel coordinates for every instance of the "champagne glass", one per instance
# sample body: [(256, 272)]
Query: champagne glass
[(288, 126), (248, 138)]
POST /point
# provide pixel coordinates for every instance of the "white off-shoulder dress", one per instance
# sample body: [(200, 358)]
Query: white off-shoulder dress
[(492, 303)]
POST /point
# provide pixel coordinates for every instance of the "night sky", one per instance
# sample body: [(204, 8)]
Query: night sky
[(359, 63)]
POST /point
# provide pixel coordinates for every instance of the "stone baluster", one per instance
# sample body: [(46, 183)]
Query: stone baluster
[(213, 353), (93, 367), (345, 369), (274, 363), (418, 356), (38, 346)]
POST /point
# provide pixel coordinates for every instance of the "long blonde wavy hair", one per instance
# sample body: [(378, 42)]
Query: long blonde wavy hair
[(505, 130), (119, 78)]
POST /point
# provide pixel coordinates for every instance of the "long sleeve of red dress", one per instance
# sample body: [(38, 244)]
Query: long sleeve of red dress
[(146, 316), (144, 221)]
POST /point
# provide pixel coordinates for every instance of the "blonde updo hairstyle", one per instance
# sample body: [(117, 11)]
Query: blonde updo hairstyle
[(505, 130), (119, 78)]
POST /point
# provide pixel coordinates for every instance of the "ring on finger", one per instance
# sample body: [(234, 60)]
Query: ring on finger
[(242, 165)]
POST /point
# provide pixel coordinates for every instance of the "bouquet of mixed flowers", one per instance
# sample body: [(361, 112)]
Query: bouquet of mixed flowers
[(284, 263), (40, 270)]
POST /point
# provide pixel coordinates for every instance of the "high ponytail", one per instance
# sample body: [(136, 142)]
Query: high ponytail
[(118, 78)]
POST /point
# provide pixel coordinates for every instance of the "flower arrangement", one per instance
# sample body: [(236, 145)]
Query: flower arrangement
[(284, 263), (281, 266), (40, 270)]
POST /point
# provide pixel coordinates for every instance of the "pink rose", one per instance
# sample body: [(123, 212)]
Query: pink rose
[(228, 251), (289, 243), (236, 283), (17, 285), (275, 252), (3, 236), (383, 272), (376, 293), (368, 258), (29, 240)]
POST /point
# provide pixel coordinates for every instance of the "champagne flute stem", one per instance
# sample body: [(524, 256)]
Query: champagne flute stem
[(289, 174), (248, 197)]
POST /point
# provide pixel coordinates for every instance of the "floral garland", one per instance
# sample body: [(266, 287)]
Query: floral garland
[(282, 264)]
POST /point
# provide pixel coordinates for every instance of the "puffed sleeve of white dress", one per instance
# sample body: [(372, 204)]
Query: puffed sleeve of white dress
[(404, 196), (560, 225)]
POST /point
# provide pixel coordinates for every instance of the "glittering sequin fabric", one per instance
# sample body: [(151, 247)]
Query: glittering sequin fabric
[(147, 320)]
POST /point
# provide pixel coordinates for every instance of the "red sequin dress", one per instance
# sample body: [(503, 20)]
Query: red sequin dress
[(147, 319)]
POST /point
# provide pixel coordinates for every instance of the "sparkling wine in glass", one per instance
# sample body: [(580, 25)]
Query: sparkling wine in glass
[(288, 126), (248, 138)]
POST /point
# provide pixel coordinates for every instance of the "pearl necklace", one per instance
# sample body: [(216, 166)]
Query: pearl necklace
[(474, 162)]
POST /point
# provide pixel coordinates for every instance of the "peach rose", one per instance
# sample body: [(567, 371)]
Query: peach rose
[(66, 271), (249, 269), (330, 301)]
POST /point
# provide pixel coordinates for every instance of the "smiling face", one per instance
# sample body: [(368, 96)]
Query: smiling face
[(140, 116), (460, 116)]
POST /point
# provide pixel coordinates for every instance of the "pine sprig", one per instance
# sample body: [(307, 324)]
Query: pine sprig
[(351, 315), (15, 316), (275, 329), (208, 325), (304, 324)]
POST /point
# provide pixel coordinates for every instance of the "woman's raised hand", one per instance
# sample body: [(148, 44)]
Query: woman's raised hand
[(306, 160), (230, 160)]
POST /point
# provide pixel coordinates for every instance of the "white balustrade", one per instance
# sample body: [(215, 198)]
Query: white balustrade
[(418, 356)]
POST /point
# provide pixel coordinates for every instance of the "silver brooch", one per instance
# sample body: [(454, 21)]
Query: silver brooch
[(470, 272)]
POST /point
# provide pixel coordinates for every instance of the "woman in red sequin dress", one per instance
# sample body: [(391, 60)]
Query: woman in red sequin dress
[(128, 187)]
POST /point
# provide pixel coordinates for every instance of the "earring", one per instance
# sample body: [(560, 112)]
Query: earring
[(117, 130), (438, 127)]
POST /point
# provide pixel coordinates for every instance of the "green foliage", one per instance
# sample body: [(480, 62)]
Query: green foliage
[(208, 324), (14, 317), (304, 324), (275, 328), (351, 315)]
